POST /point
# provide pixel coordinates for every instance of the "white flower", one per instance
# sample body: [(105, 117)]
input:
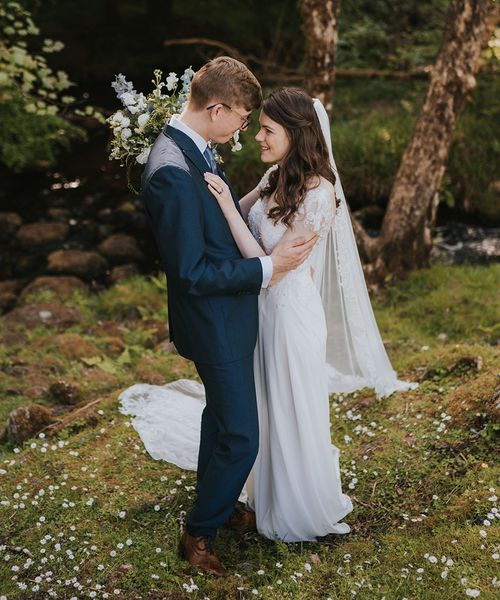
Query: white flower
[(121, 85), (126, 133), (142, 158), (188, 75), (171, 80), (125, 121), (127, 98), (186, 79), (142, 119), (472, 592), (140, 101)]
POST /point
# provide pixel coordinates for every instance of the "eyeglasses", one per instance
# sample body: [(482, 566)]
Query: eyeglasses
[(245, 121)]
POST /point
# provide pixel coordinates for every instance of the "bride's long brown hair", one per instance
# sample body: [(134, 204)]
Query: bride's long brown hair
[(307, 157)]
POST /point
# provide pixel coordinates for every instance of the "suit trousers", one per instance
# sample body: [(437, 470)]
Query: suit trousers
[(228, 445)]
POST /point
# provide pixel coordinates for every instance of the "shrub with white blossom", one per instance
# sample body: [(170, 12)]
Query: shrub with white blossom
[(34, 103)]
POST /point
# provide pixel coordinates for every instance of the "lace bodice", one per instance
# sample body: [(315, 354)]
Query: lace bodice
[(315, 214)]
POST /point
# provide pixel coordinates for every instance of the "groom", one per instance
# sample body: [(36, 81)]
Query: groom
[(212, 293)]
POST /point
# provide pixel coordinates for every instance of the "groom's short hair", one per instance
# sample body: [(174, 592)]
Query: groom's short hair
[(225, 79)]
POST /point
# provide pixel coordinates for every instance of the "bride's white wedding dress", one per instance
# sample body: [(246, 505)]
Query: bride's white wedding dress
[(295, 486)]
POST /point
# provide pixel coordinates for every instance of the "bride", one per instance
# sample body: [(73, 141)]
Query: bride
[(317, 333)]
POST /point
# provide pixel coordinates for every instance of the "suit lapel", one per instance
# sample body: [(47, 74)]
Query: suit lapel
[(188, 147)]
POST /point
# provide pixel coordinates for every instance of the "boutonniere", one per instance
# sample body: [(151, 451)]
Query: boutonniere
[(217, 157)]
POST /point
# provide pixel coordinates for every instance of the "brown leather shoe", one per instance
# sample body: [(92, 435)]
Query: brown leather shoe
[(200, 552), (242, 521)]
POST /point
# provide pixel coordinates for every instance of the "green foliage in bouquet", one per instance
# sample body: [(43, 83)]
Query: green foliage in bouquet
[(34, 103)]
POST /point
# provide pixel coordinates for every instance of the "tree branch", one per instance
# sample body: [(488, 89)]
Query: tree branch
[(281, 73)]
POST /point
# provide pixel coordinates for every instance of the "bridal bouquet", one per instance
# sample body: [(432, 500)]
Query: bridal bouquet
[(136, 126)]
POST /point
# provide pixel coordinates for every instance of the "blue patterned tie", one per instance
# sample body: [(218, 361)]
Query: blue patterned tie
[(208, 154)]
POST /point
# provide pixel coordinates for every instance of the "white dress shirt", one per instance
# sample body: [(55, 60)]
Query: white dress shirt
[(201, 144)]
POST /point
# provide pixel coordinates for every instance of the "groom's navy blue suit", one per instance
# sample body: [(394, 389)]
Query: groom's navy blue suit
[(212, 311)]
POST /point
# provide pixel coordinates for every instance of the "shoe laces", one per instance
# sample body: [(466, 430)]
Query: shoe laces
[(209, 546)]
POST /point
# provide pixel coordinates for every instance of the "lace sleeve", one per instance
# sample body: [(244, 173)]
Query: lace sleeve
[(261, 186), (316, 213)]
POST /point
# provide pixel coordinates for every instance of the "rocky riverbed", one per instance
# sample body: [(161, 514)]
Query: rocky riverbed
[(82, 228)]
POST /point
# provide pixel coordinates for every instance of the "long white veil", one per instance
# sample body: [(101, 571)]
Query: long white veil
[(356, 356)]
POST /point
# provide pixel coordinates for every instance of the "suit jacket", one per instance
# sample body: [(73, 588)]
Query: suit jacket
[(212, 290)]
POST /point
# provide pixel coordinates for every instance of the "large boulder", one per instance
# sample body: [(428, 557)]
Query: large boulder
[(26, 421), (52, 314), (34, 235), (77, 262), (9, 224), (63, 286), (119, 248), (123, 272)]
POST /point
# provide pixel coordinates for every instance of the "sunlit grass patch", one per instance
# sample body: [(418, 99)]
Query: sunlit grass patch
[(89, 514), (457, 301)]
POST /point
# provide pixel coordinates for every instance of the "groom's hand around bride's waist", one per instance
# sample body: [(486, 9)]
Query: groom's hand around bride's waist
[(289, 255)]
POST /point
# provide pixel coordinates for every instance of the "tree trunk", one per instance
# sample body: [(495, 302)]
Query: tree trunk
[(405, 240), (320, 27)]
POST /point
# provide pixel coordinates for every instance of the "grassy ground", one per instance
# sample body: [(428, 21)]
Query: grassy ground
[(88, 513)]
